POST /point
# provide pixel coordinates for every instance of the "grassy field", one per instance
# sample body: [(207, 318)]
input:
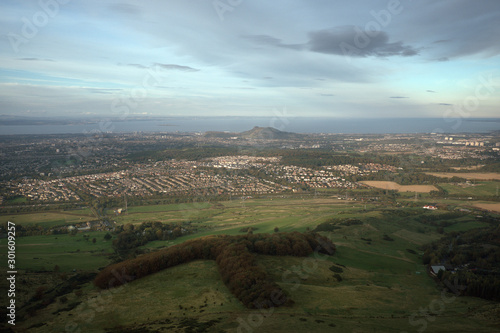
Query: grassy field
[(387, 185), (489, 206), (483, 189), (16, 200), (384, 285), (468, 175), (68, 252), (48, 219), (381, 296), (171, 207)]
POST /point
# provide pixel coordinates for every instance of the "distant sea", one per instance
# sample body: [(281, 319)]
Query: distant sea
[(290, 124)]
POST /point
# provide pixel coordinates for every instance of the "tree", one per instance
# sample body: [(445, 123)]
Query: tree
[(107, 237), (128, 227), (276, 229), (94, 240), (159, 234), (234, 256), (40, 291)]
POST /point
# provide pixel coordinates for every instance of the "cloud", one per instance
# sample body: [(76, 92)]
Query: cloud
[(35, 59), (327, 95), (445, 104), (271, 41), (135, 66), (441, 41), (125, 9), (177, 67), (165, 66), (399, 97), (342, 40), (458, 28), (240, 88), (102, 90), (430, 91), (353, 41)]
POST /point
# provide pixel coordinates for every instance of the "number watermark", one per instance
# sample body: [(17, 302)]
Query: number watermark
[(11, 272)]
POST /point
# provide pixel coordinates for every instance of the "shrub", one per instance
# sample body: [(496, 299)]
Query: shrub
[(336, 269), (387, 238)]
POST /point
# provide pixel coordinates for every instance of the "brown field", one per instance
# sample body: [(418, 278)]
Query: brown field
[(475, 167), (467, 175), (401, 188), (489, 206)]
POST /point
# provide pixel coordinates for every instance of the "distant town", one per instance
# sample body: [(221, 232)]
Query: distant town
[(67, 168)]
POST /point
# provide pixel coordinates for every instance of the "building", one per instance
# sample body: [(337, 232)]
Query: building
[(435, 269)]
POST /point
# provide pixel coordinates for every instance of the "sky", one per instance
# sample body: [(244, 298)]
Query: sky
[(321, 58)]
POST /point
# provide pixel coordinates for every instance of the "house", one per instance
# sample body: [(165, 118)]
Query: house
[(430, 207), (435, 269)]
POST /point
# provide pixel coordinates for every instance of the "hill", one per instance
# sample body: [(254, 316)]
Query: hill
[(375, 280), (256, 133)]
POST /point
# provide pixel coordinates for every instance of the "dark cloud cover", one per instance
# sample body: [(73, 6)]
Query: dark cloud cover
[(353, 41), (343, 40), (272, 41)]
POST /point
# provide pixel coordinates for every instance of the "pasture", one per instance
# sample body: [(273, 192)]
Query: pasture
[(43, 253), (488, 206), (476, 189), (388, 185), (48, 219), (468, 175), (383, 283)]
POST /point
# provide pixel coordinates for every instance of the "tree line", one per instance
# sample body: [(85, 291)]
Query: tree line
[(235, 257)]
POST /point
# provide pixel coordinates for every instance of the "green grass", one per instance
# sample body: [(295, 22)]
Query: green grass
[(466, 225), (482, 189), (16, 200), (170, 207), (47, 219), (66, 251), (383, 284), (376, 292)]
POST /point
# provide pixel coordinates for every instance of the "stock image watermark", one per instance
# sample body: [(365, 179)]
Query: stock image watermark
[(484, 89), (363, 37), (421, 318), (11, 273), (121, 107), (223, 6), (293, 276), (97, 304), (31, 26)]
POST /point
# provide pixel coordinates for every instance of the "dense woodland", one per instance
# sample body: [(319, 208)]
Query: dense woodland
[(472, 257), (235, 258), (130, 236)]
